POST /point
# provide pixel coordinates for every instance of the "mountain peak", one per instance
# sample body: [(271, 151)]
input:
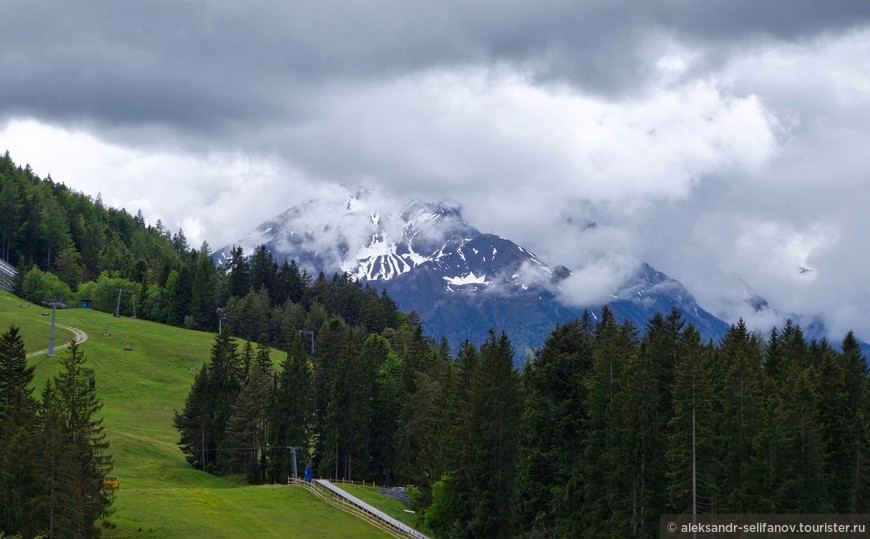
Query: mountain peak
[(461, 281)]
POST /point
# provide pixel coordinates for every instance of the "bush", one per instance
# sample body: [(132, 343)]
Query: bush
[(39, 286)]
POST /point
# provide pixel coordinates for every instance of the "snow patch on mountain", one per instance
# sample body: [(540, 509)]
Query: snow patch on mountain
[(460, 280), (471, 278)]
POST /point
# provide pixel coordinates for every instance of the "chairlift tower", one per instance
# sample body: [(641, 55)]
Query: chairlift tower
[(118, 304), (222, 315), (310, 333), (54, 303), (293, 450)]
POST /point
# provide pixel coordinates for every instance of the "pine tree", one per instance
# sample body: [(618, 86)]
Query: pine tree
[(846, 416), (741, 390), (548, 493), (387, 406), (15, 375), (76, 442), (246, 431), (605, 478), (331, 341), (643, 422), (691, 456), (375, 352), (495, 408), (225, 382), (291, 421), (263, 361), (237, 268), (55, 511), (20, 480), (10, 209), (195, 423), (263, 270), (806, 488), (203, 307), (352, 399)]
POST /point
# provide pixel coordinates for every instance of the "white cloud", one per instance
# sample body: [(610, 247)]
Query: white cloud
[(743, 158), (215, 198), (596, 281)]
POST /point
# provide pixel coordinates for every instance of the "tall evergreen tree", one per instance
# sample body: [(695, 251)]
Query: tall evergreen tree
[(247, 427), (331, 342), (80, 462), (387, 405), (263, 270), (495, 408), (225, 383), (548, 494), (605, 476), (15, 375), (195, 423), (845, 414), (742, 388), (203, 307), (691, 456), (237, 268), (10, 209), (20, 480), (291, 421)]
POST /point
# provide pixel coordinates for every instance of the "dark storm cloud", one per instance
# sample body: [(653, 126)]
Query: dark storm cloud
[(207, 68)]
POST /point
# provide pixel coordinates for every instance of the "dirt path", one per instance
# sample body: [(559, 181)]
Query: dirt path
[(79, 335)]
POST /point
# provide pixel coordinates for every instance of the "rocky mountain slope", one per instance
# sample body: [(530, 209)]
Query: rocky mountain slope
[(459, 280)]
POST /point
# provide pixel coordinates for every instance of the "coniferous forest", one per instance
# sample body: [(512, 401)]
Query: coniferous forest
[(53, 454), (594, 437)]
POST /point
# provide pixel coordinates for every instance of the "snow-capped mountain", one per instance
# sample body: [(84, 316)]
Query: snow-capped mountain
[(374, 246), (459, 280)]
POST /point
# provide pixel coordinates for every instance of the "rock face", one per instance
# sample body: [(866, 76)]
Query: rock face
[(459, 280)]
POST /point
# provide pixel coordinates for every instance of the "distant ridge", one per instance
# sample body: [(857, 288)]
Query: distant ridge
[(459, 280)]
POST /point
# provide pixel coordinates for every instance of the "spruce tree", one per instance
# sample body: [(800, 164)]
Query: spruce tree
[(742, 389), (494, 414), (225, 383), (549, 487), (203, 306), (237, 269), (331, 342), (76, 442), (849, 445), (56, 513), (195, 423), (375, 352), (690, 453), (20, 480), (644, 416), (291, 420), (15, 375), (387, 406), (605, 476), (247, 427)]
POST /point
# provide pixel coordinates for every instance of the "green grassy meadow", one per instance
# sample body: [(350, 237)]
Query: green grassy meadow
[(160, 494)]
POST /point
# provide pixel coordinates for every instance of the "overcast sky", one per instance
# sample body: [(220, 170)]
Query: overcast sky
[(723, 143)]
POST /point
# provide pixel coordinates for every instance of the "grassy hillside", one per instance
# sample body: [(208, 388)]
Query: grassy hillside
[(160, 494)]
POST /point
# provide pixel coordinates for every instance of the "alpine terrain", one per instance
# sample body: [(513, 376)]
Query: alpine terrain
[(460, 281)]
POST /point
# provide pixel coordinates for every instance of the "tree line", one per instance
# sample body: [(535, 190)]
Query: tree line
[(54, 456), (68, 245), (595, 436), (46, 225)]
